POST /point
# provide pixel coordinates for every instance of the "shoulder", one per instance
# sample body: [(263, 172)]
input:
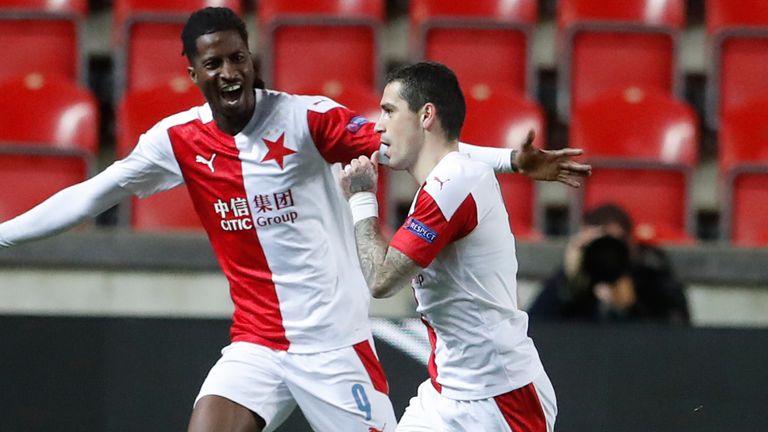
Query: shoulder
[(320, 104), (313, 103), (456, 175), (200, 113), (454, 179)]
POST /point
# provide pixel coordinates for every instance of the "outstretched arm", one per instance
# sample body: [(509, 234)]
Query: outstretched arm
[(65, 209), (386, 269), (538, 164), (550, 165), (502, 159)]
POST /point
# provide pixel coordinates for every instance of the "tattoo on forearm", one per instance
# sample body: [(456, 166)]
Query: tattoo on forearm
[(396, 272), (371, 248), (386, 270)]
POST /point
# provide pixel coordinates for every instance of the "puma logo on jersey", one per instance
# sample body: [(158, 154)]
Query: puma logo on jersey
[(204, 161), (442, 182)]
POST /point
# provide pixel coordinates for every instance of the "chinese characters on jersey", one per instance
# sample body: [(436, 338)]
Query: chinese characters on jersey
[(236, 213)]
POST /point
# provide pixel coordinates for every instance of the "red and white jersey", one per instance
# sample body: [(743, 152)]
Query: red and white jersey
[(269, 201), (458, 230)]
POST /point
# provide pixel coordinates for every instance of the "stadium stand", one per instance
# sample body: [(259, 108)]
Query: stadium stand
[(643, 147), (497, 34), (138, 111), (48, 138), (121, 286), (441, 31), (299, 35), (738, 55), (743, 164), (147, 42), (607, 44), (40, 36)]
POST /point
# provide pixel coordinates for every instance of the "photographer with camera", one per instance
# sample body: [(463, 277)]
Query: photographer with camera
[(609, 277)]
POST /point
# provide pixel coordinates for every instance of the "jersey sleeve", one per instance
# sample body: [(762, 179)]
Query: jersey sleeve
[(340, 134), (499, 158), (428, 229), (63, 210), (151, 167)]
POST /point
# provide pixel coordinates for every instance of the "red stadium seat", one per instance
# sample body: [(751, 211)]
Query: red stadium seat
[(738, 65), (643, 147), (307, 44), (138, 112), (48, 139), (463, 35), (40, 36), (743, 161), (502, 118), (608, 44), (148, 34)]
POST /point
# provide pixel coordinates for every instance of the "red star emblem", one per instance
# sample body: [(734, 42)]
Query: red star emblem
[(277, 150)]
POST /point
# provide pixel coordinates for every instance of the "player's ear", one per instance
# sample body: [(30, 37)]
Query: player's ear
[(428, 115), (192, 74)]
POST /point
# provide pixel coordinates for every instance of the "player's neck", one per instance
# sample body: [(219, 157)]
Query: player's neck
[(232, 125), (431, 154)]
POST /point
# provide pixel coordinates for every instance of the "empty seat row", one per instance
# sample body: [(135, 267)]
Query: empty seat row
[(48, 139), (601, 43), (635, 88), (41, 36), (643, 148)]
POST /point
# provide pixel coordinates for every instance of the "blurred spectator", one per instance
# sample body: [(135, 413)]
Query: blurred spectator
[(609, 277)]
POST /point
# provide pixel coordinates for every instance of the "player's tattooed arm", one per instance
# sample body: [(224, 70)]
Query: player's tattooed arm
[(387, 270), (371, 247), (394, 273)]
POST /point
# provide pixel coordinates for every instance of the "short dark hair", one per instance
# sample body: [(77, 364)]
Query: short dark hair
[(206, 21), (607, 214), (433, 82)]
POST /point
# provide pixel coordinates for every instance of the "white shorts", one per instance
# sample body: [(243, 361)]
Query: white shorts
[(339, 390), (532, 408)]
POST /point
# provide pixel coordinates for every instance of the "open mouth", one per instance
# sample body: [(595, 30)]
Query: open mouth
[(231, 93)]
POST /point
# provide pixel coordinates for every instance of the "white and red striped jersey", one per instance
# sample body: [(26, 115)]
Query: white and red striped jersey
[(458, 231), (269, 201)]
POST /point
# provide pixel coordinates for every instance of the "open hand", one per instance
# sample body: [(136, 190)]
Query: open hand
[(551, 165)]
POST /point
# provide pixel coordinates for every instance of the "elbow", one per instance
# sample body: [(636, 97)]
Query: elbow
[(378, 291)]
